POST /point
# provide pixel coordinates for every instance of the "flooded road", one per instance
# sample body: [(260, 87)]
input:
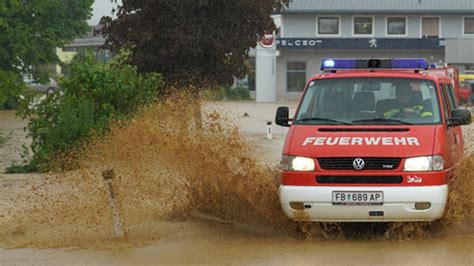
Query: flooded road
[(196, 198), (207, 243)]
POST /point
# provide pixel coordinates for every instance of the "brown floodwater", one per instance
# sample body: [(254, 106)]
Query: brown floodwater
[(186, 194), (201, 242)]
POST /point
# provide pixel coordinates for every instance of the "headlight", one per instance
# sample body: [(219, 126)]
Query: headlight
[(296, 163), (425, 163)]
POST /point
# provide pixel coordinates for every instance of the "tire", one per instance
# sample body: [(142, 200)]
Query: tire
[(51, 91)]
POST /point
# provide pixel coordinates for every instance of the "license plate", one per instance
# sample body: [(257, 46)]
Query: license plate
[(357, 197)]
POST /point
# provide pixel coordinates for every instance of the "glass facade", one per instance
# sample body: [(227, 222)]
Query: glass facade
[(328, 25), (363, 26), (469, 25), (396, 26), (296, 76)]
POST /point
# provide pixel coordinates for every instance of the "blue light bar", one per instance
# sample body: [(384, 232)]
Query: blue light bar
[(419, 63), (396, 63), (339, 64)]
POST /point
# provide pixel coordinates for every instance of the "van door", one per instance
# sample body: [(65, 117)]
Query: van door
[(459, 142), (452, 137)]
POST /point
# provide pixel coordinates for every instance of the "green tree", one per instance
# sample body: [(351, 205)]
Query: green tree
[(95, 93), (29, 33), (190, 42)]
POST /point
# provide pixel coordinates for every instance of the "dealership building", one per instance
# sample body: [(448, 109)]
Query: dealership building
[(309, 30)]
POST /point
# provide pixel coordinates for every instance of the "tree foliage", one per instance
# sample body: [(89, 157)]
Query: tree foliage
[(95, 93), (11, 84), (30, 31), (191, 42)]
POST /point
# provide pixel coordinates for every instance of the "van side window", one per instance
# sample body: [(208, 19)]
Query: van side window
[(308, 104), (445, 107), (452, 98)]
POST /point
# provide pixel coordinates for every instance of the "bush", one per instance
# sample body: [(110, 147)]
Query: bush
[(217, 94), (10, 103), (3, 139), (11, 86), (94, 94), (243, 92), (232, 94), (238, 94)]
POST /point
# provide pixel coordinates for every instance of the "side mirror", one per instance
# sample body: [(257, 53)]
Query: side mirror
[(283, 116), (459, 118)]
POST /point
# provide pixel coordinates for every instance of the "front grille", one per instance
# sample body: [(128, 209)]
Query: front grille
[(371, 163), (359, 179)]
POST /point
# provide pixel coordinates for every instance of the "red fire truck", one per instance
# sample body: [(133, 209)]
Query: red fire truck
[(463, 93), (371, 140)]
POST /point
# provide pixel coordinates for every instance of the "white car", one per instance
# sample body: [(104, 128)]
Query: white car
[(34, 86)]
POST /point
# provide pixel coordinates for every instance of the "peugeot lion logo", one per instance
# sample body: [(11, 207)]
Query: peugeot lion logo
[(358, 164)]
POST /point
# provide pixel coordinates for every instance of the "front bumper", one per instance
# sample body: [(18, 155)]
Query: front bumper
[(399, 203)]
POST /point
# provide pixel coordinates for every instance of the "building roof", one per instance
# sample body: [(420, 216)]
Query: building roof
[(382, 6), (90, 39), (87, 42)]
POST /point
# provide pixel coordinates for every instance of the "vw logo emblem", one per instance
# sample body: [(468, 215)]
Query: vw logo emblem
[(358, 164)]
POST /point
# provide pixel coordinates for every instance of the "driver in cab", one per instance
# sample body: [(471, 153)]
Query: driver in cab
[(406, 104)]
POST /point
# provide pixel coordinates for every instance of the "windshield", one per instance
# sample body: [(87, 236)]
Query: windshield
[(370, 101)]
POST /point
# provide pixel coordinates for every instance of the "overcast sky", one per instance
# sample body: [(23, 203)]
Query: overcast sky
[(101, 8)]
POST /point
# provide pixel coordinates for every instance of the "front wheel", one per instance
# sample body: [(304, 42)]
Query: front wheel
[(51, 91)]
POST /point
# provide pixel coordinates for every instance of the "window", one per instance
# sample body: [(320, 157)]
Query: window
[(446, 111), (369, 101), (251, 74), (430, 27), (328, 26), (69, 49), (249, 80), (451, 96), (363, 26), (469, 25), (396, 26), (296, 76)]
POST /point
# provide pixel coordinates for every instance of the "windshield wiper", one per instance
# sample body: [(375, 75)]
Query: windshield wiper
[(322, 119), (382, 120)]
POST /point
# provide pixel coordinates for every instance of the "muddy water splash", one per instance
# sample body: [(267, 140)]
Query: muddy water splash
[(459, 210), (457, 218), (167, 169)]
